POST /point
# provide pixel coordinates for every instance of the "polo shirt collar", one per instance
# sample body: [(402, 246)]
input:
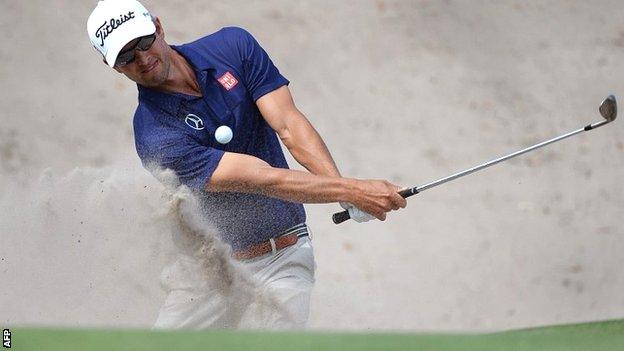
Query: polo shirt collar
[(198, 62)]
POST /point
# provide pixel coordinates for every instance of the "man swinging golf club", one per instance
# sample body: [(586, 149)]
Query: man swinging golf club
[(211, 111)]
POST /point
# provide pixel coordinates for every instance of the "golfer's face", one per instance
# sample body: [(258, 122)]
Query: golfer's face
[(150, 67)]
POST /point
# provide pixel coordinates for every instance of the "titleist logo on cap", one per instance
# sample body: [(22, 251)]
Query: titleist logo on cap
[(108, 27)]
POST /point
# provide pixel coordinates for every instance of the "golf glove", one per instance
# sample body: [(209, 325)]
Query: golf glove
[(355, 213)]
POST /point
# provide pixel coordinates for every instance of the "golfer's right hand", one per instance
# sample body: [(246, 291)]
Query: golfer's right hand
[(377, 197)]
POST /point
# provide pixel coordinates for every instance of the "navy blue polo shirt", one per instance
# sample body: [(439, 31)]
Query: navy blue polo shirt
[(176, 131)]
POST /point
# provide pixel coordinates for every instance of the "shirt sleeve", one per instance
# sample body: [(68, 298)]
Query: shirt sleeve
[(192, 162), (260, 74)]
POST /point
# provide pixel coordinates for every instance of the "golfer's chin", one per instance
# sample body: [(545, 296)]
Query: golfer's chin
[(154, 76), (152, 80)]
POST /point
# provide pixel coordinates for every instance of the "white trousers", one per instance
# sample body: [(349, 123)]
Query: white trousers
[(285, 278)]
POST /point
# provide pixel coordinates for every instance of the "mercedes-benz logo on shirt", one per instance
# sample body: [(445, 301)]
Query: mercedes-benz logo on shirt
[(194, 122)]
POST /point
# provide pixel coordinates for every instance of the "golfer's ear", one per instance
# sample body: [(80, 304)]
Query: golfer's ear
[(159, 29)]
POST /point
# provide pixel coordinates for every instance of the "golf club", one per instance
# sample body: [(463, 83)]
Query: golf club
[(608, 110)]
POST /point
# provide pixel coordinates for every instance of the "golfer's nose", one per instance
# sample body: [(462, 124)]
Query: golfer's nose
[(141, 57)]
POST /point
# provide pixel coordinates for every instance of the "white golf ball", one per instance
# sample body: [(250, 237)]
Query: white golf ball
[(223, 134)]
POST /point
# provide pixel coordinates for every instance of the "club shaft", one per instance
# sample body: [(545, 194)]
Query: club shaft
[(607, 109), (441, 181)]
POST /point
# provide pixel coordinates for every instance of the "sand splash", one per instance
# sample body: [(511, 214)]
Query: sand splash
[(87, 248), (250, 305)]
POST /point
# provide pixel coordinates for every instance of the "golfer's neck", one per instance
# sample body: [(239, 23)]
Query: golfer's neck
[(181, 78)]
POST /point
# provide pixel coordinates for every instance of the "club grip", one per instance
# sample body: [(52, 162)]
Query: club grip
[(340, 217), (405, 193), (343, 216)]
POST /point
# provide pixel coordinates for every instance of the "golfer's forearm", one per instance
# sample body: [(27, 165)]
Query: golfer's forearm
[(298, 186), (296, 132), (307, 146), (248, 174)]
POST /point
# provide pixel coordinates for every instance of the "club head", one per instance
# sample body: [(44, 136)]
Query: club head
[(608, 108)]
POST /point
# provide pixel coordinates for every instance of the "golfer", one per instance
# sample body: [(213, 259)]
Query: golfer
[(212, 111)]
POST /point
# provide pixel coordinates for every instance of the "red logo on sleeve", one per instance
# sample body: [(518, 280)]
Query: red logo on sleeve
[(228, 81)]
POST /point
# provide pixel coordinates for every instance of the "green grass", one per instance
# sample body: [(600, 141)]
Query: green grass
[(589, 336)]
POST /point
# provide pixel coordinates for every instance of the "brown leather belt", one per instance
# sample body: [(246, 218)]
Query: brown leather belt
[(272, 245)]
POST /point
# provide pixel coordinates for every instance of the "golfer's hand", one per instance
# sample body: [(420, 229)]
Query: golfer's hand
[(356, 214), (377, 197)]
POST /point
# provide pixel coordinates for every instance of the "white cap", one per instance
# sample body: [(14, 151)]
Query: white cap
[(114, 23)]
